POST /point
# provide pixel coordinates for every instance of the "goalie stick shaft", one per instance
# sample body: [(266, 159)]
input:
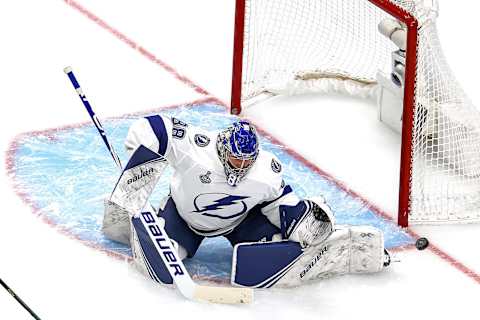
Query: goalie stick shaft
[(23, 304), (93, 116), (184, 282)]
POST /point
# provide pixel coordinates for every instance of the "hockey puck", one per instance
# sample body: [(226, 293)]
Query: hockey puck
[(421, 243)]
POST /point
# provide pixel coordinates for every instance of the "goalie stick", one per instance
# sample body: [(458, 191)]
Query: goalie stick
[(182, 280), (93, 116)]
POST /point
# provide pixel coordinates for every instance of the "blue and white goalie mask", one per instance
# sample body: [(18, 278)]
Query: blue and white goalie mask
[(237, 148)]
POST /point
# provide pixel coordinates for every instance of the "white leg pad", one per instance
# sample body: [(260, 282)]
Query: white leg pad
[(366, 250), (137, 254), (116, 223), (355, 249)]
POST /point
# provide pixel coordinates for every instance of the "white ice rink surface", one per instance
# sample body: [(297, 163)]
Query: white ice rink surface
[(62, 279)]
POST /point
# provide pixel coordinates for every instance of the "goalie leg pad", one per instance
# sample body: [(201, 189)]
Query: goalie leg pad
[(263, 264), (116, 223), (366, 249), (286, 264)]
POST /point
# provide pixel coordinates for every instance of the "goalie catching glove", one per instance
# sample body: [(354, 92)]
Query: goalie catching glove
[(309, 222)]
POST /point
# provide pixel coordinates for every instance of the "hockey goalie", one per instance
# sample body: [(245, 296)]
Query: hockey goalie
[(224, 184)]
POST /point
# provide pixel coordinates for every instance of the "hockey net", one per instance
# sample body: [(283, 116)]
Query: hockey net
[(299, 46)]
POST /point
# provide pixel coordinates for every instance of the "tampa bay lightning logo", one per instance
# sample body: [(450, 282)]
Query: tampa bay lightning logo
[(220, 205), (276, 166), (201, 140)]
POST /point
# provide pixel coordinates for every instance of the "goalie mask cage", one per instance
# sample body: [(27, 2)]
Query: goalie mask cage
[(296, 46)]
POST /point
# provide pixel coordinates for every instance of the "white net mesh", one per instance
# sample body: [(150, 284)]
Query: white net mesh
[(290, 41), (446, 145), (297, 46)]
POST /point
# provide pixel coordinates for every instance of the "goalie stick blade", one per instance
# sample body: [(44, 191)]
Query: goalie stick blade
[(226, 295)]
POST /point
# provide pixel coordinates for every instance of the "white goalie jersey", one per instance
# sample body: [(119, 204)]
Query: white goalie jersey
[(204, 199)]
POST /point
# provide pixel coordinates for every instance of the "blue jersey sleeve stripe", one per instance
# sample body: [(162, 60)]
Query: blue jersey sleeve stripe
[(158, 126)]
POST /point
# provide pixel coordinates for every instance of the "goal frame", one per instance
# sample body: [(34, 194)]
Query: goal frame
[(411, 24)]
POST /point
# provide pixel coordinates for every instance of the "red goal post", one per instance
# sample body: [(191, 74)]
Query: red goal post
[(409, 18)]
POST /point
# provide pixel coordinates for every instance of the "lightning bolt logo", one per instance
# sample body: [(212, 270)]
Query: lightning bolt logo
[(228, 202)]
